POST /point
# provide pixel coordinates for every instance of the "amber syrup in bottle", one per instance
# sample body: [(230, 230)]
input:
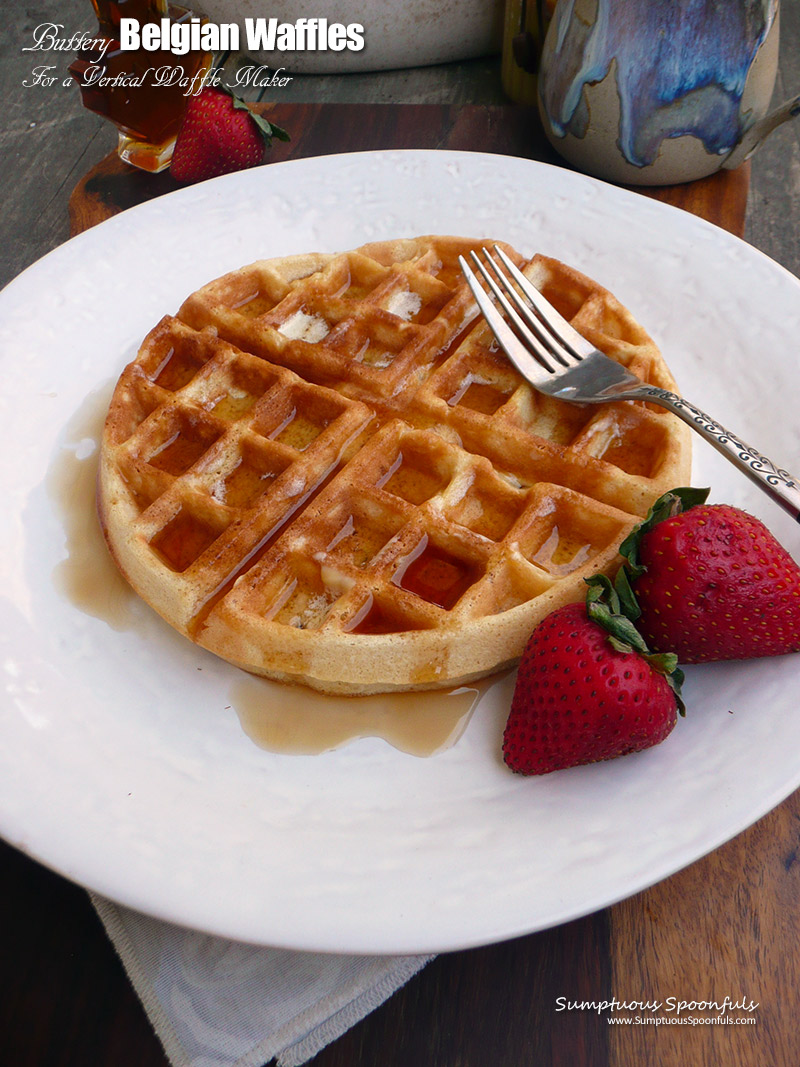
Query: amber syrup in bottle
[(125, 87)]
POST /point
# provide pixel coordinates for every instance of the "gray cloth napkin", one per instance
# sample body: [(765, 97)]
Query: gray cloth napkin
[(218, 1003)]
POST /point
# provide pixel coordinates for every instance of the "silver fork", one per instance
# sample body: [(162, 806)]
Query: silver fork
[(558, 361)]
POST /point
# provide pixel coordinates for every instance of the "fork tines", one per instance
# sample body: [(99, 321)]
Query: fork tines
[(530, 319)]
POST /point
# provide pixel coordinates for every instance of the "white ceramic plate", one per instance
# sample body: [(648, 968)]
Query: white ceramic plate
[(121, 763)]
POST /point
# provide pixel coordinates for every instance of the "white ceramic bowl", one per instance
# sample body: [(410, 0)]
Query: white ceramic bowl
[(397, 33)]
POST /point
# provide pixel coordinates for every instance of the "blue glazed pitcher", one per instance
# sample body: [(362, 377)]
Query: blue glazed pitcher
[(653, 92)]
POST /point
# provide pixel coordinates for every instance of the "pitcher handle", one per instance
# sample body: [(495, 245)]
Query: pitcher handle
[(753, 137)]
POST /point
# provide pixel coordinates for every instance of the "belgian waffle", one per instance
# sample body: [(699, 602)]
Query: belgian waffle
[(324, 471)]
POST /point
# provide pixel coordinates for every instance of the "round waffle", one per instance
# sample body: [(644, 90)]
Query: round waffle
[(324, 470)]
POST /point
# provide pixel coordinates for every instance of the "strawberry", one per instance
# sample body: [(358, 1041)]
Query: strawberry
[(588, 689), (220, 134), (710, 582)]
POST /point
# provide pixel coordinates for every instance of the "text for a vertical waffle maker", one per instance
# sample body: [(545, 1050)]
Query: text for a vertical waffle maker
[(268, 35)]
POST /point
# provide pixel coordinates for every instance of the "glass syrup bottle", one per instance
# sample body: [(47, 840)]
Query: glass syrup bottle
[(144, 94)]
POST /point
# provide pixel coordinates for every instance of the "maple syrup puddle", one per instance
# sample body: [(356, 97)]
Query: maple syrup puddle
[(288, 720), (87, 577), (296, 721)]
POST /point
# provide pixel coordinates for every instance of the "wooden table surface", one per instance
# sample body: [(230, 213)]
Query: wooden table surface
[(727, 925)]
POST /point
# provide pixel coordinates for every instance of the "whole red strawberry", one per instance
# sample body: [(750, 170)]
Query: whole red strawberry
[(711, 582), (584, 694), (220, 134)]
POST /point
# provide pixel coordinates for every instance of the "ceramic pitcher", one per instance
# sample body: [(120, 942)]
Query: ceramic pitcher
[(652, 92)]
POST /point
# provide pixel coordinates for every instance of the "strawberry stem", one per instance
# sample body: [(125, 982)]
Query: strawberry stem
[(608, 609), (268, 129), (603, 605)]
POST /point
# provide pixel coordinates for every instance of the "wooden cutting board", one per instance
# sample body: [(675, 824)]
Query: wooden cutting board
[(727, 925)]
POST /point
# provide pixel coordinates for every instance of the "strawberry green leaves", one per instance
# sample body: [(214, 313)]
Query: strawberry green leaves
[(608, 609)]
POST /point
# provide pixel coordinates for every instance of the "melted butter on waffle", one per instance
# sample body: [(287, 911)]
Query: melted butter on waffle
[(324, 470)]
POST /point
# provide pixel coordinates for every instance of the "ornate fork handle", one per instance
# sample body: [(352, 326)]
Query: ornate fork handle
[(778, 483)]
